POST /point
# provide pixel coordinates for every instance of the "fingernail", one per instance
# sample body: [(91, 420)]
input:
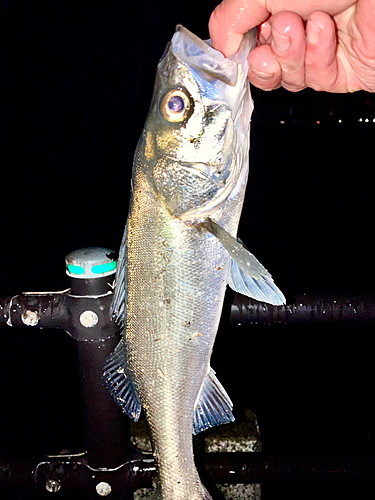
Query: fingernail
[(265, 77), (280, 42), (312, 33)]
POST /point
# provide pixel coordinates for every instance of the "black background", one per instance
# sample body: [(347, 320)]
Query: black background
[(76, 82)]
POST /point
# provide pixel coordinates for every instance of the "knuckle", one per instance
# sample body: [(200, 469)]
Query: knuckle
[(322, 82), (296, 87), (293, 78), (365, 48)]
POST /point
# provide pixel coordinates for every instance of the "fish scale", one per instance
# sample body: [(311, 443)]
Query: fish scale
[(167, 335), (179, 252)]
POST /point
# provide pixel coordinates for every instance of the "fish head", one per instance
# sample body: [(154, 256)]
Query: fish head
[(196, 138)]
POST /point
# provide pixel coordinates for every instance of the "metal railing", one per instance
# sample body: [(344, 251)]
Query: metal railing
[(111, 465)]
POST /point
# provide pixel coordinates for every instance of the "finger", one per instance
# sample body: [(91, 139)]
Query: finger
[(365, 23), (362, 57), (264, 70), (321, 65), (288, 46), (231, 20)]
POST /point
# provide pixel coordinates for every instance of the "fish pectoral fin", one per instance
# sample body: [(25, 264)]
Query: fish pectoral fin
[(262, 289), (213, 406), (119, 384), (247, 275)]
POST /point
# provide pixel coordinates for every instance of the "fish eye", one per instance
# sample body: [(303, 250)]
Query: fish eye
[(175, 106)]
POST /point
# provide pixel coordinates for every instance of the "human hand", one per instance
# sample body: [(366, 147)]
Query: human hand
[(328, 45)]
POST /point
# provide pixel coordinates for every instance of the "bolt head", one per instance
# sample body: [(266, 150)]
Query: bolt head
[(30, 318), (103, 489), (53, 485), (89, 319)]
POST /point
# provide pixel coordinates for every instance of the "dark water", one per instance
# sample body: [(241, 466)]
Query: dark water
[(76, 84)]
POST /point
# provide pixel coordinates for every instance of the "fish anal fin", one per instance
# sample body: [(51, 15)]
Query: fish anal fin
[(119, 384), (213, 406)]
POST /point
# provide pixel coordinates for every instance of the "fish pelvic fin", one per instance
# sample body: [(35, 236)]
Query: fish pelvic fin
[(213, 406), (119, 384), (247, 275)]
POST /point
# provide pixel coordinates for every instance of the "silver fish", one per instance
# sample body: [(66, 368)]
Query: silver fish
[(179, 252)]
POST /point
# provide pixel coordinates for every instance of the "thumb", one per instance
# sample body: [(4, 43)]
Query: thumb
[(231, 20)]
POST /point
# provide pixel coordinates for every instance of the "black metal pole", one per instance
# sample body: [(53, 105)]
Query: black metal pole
[(89, 299), (306, 308), (251, 468), (232, 468), (107, 431)]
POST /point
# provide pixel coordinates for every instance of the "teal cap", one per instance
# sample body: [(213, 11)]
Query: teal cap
[(91, 262)]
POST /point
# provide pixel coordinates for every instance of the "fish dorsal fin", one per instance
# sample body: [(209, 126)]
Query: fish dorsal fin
[(247, 275), (118, 306), (213, 406), (119, 384)]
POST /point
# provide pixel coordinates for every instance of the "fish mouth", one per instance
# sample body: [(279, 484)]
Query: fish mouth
[(199, 54)]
